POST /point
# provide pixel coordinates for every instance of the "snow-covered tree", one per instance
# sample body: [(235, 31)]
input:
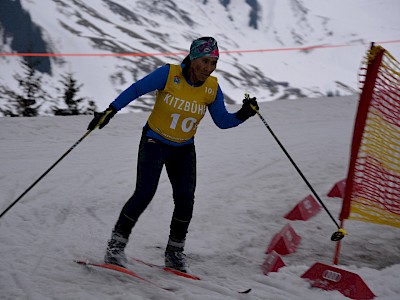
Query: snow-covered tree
[(70, 95), (30, 95)]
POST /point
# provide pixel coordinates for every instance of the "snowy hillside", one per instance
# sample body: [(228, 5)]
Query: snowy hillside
[(245, 187), (286, 28)]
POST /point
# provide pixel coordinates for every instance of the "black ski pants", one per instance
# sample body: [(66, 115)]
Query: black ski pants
[(180, 163)]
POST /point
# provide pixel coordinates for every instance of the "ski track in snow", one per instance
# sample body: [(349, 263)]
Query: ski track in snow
[(245, 185)]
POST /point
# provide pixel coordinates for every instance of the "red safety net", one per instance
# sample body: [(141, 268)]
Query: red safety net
[(373, 184)]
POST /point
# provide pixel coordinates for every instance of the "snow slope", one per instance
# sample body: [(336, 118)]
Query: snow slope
[(245, 186)]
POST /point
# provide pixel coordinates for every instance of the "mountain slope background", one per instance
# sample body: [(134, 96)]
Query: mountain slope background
[(286, 30)]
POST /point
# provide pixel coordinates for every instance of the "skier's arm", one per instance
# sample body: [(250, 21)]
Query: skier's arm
[(221, 117), (154, 81), (224, 119)]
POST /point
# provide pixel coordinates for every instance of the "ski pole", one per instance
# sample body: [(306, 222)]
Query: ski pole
[(60, 159), (337, 235), (45, 173)]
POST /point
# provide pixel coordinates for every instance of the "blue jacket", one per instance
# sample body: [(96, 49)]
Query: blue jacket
[(156, 80)]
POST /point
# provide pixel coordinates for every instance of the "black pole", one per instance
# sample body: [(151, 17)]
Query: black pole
[(45, 173), (338, 235)]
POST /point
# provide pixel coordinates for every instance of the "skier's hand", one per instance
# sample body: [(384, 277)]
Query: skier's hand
[(101, 119), (249, 108)]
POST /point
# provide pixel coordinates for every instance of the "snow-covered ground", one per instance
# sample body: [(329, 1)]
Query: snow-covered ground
[(245, 187)]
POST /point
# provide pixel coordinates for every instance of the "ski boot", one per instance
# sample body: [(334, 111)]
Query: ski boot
[(115, 253), (176, 260), (174, 256)]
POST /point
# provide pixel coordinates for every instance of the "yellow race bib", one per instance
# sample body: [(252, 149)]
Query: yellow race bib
[(179, 107)]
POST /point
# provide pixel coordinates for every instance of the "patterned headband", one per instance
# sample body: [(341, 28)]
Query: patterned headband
[(203, 47)]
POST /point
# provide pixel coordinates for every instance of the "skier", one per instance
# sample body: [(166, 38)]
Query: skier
[(184, 92)]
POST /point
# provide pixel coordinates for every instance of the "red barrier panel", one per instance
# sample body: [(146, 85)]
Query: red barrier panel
[(338, 189), (330, 278), (273, 262), (304, 210), (284, 242)]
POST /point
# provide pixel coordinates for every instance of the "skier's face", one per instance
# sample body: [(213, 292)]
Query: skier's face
[(201, 68)]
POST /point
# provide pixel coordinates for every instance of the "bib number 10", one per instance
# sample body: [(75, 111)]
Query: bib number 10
[(186, 125)]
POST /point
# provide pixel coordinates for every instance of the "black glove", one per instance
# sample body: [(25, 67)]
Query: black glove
[(248, 109), (101, 119)]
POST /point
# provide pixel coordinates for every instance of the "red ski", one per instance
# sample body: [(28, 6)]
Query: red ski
[(173, 271), (176, 272), (143, 279), (121, 270)]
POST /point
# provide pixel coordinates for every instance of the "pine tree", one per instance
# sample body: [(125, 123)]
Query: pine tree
[(75, 105), (30, 97)]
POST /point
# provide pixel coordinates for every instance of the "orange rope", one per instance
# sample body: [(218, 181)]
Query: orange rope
[(305, 48)]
